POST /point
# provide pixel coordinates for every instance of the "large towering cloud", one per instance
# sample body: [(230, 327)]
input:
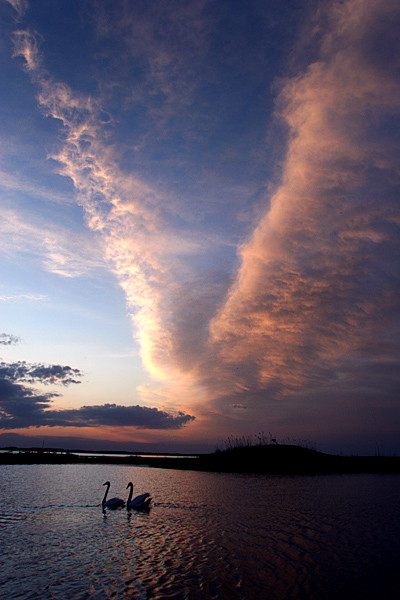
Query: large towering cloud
[(316, 299)]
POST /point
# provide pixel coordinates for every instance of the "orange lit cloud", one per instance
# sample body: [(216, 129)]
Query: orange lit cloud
[(130, 219), (20, 7), (314, 289)]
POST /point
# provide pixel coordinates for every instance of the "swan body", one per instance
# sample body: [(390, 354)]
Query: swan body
[(141, 501), (112, 502)]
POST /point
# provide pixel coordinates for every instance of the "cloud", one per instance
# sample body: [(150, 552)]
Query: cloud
[(61, 250), (25, 45), (31, 373), (20, 7), (28, 297), (132, 219), (171, 56), (16, 185), (112, 415), (318, 280), (317, 288), (22, 407), (7, 339)]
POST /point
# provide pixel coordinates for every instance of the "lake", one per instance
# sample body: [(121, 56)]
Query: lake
[(207, 535)]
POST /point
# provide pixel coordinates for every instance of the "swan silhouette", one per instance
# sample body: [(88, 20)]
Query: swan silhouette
[(141, 501), (113, 502)]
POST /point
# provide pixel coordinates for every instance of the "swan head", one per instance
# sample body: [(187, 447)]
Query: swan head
[(130, 484), (107, 483)]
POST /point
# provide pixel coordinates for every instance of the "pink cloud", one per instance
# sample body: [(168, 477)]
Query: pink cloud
[(305, 296)]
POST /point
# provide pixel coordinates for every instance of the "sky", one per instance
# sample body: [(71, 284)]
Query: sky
[(199, 228)]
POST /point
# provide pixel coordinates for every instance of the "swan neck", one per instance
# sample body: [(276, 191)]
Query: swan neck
[(105, 493)]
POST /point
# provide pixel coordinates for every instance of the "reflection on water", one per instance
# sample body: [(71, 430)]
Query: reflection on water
[(207, 535)]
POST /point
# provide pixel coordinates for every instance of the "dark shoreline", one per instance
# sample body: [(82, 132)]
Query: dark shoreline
[(266, 459)]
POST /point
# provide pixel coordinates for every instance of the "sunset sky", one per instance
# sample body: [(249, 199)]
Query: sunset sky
[(199, 227)]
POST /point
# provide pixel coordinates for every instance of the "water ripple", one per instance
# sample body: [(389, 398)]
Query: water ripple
[(7, 518)]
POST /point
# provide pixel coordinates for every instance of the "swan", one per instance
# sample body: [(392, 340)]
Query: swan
[(142, 501), (113, 502)]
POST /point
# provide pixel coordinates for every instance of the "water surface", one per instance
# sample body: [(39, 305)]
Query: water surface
[(208, 535)]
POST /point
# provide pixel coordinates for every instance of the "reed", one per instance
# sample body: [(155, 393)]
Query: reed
[(260, 439)]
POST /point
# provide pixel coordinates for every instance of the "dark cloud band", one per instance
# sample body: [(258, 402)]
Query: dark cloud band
[(22, 407), (22, 371)]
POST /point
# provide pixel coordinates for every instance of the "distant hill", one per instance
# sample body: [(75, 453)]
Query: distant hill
[(285, 459)]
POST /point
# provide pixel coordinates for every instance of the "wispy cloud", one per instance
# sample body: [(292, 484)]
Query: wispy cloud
[(20, 7), (23, 297), (60, 250), (170, 43), (14, 185), (26, 45)]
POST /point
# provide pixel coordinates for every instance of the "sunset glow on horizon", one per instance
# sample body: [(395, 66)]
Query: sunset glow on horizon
[(200, 223)]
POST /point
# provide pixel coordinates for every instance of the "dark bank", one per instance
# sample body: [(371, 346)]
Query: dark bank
[(268, 459)]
